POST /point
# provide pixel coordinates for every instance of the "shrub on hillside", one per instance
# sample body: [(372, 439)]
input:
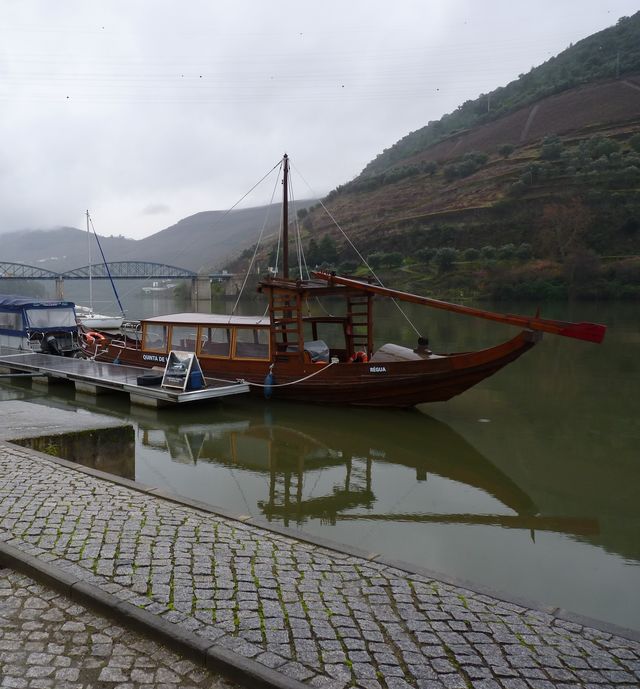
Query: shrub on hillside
[(523, 252), (506, 150), (424, 255), (551, 148), (506, 252), (488, 252), (381, 259), (634, 142), (467, 165), (471, 254), (444, 258)]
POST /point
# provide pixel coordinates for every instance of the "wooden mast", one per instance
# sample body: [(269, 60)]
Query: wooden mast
[(285, 217), (591, 332)]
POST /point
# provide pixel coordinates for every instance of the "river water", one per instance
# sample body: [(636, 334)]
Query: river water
[(528, 484)]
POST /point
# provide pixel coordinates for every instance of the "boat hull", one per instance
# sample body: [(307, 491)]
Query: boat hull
[(100, 322), (400, 384)]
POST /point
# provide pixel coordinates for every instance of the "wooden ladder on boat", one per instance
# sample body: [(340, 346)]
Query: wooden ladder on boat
[(359, 312), (286, 324)]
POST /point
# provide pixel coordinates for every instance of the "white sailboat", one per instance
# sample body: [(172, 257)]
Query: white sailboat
[(85, 315)]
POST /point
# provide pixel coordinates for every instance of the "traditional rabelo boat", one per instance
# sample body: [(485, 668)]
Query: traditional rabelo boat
[(283, 354)]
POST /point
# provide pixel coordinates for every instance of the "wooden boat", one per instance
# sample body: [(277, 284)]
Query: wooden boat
[(282, 354)]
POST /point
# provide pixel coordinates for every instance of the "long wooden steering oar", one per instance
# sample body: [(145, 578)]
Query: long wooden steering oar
[(591, 332)]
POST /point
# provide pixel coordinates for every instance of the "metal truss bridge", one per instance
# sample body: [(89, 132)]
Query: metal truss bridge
[(121, 270)]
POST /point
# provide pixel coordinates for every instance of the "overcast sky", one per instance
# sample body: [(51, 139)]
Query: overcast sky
[(147, 111)]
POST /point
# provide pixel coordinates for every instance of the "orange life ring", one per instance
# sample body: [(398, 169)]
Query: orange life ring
[(359, 358), (93, 337)]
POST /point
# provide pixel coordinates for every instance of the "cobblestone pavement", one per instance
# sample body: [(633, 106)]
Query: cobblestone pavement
[(322, 617), (46, 640)]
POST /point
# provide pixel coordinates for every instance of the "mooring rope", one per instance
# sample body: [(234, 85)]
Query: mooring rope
[(274, 385)]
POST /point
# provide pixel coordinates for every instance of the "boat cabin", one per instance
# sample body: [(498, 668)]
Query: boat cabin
[(45, 326), (289, 333), (210, 336)]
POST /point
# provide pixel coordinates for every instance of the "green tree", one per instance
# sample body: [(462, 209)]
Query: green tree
[(381, 259), (634, 142), (471, 254), (488, 252), (430, 167), (424, 255), (523, 252), (551, 148), (328, 250), (505, 150), (445, 258), (506, 252), (313, 253)]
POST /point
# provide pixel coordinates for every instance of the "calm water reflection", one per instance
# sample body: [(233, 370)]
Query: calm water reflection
[(528, 483)]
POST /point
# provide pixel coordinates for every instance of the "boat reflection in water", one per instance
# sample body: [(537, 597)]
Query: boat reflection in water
[(286, 444)]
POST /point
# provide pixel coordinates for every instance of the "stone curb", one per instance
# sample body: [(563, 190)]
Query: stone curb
[(409, 568), (209, 654)]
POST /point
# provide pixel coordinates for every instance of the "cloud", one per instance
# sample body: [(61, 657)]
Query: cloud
[(123, 106), (156, 209)]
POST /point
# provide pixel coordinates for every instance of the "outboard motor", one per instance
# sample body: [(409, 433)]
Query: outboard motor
[(50, 346)]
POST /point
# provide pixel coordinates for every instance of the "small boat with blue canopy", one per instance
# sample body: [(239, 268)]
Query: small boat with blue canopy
[(46, 326)]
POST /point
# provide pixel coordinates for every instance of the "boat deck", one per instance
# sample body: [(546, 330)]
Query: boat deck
[(95, 376)]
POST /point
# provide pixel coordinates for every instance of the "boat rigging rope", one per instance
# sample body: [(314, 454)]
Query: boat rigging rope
[(362, 258), (255, 251), (106, 265), (298, 236)]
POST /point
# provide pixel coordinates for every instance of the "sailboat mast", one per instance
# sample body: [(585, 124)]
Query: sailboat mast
[(285, 217), (89, 254)]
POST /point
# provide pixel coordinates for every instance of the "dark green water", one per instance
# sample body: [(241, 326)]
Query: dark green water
[(529, 483)]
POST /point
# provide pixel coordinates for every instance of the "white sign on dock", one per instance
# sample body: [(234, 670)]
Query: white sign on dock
[(182, 371)]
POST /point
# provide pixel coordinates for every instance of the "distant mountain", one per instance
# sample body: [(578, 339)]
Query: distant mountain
[(201, 242), (210, 239), (59, 249)]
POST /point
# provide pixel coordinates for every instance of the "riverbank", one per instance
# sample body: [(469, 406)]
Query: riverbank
[(271, 609), (495, 277)]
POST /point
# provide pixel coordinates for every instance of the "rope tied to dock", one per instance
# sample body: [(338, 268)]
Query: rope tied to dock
[(291, 382), (274, 385)]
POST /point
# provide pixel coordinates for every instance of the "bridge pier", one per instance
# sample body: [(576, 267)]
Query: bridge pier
[(60, 288), (201, 289)]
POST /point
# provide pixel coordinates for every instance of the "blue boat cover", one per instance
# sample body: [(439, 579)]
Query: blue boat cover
[(13, 301)]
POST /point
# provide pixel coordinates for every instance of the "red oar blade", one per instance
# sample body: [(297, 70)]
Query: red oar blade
[(591, 332)]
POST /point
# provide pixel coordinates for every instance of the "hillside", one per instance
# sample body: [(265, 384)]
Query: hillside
[(466, 184), (611, 53), (543, 199)]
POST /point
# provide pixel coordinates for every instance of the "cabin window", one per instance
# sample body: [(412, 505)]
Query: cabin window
[(183, 338), (10, 320), (215, 342), (51, 318), (252, 343), (155, 337)]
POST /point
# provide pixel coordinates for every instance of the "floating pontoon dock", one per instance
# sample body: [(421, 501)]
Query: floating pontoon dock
[(93, 377)]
